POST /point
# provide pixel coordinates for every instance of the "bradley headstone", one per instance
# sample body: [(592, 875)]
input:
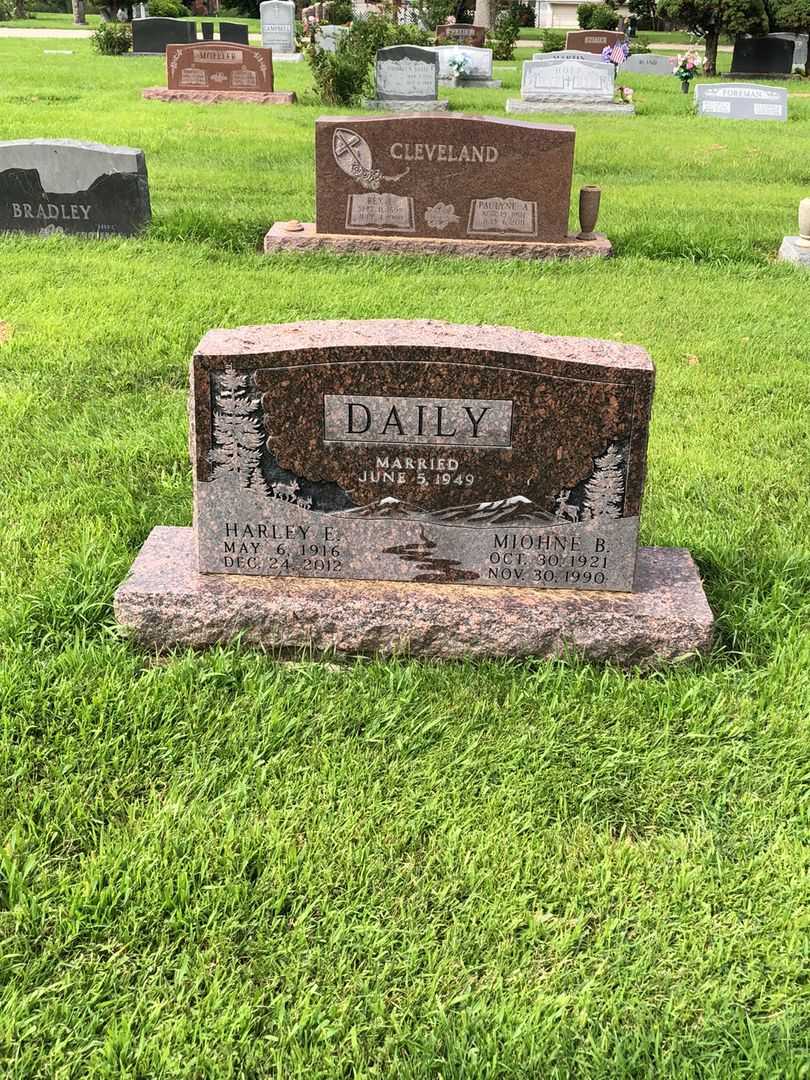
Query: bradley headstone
[(278, 28), (58, 185), (477, 64), (647, 64), (152, 35), (420, 452), (461, 34), (592, 41), (451, 176), (736, 101), (762, 56), (407, 78)]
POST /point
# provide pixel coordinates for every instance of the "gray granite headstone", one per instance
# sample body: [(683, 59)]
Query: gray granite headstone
[(741, 101), (762, 56), (278, 26), (327, 36), (591, 80), (154, 34), (234, 32), (407, 73), (647, 64), (564, 54), (60, 185), (800, 42)]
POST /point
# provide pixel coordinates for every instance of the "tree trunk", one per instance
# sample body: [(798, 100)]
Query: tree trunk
[(712, 40), (78, 13), (483, 13), (19, 9)]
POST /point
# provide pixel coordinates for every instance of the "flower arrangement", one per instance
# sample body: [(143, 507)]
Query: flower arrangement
[(687, 67), (460, 66)]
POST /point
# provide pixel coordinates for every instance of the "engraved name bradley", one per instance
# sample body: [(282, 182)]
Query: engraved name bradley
[(483, 155), (51, 211), (436, 421)]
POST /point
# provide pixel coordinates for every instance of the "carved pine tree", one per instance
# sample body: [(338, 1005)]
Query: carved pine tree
[(237, 430), (604, 491)]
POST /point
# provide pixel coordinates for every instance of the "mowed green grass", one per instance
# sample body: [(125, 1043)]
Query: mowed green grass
[(219, 865)]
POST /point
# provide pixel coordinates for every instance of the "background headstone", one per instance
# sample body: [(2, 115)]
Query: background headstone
[(207, 31), (800, 44), (461, 34), (407, 73), (647, 64), (219, 65), (479, 62), (737, 101), (234, 32), (762, 56), (592, 41), (585, 80), (564, 54), (328, 36), (454, 177), (278, 27), (60, 185), (154, 34)]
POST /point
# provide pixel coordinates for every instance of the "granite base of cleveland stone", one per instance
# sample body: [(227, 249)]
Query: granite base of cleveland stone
[(307, 239), (165, 603), (219, 97), (387, 105), (795, 250), (556, 105)]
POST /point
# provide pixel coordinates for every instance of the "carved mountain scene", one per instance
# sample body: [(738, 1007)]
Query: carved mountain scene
[(515, 510)]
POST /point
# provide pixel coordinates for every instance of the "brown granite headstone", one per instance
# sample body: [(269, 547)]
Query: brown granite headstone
[(592, 40), (461, 34), (220, 66), (419, 451), (443, 176)]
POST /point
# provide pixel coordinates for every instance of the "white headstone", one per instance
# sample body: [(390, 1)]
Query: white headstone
[(278, 26), (741, 101), (647, 64), (564, 54), (328, 36), (479, 61), (591, 80)]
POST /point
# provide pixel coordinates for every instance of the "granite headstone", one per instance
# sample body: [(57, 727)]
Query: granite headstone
[(328, 36), (800, 44), (207, 31), (451, 176), (762, 56), (647, 64), (278, 28), (234, 32), (592, 41), (461, 34), (59, 185), (563, 54), (407, 77), (219, 65), (551, 85), (737, 101), (478, 66), (152, 35)]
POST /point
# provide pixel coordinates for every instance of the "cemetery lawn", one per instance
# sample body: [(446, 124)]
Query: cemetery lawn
[(219, 865)]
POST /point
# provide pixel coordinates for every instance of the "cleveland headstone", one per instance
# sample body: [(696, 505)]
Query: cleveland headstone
[(735, 101), (394, 486), (762, 56), (152, 35), (59, 185), (407, 79), (278, 28)]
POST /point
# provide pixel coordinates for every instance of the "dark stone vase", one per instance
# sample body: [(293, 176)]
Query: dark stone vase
[(685, 86), (589, 198)]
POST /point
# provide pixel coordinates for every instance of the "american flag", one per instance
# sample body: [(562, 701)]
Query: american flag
[(617, 53)]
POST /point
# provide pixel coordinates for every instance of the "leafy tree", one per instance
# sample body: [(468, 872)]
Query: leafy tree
[(237, 430), (794, 16), (604, 491), (711, 18)]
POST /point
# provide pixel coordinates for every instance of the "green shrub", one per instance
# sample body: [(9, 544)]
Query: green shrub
[(342, 76), (639, 45), (503, 37), (597, 17), (168, 9), (523, 14), (6, 9), (112, 39), (552, 40), (341, 12)]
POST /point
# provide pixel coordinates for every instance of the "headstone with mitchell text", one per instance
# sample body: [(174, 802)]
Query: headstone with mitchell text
[(64, 186), (477, 67), (420, 487), (209, 72), (444, 183), (151, 36), (277, 19), (736, 101), (406, 80)]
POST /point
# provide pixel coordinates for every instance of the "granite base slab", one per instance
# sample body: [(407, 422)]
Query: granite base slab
[(555, 105), (386, 105), (219, 97), (471, 84), (795, 251), (287, 58), (165, 603), (307, 239)]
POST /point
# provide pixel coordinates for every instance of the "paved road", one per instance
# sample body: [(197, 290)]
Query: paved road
[(21, 32)]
